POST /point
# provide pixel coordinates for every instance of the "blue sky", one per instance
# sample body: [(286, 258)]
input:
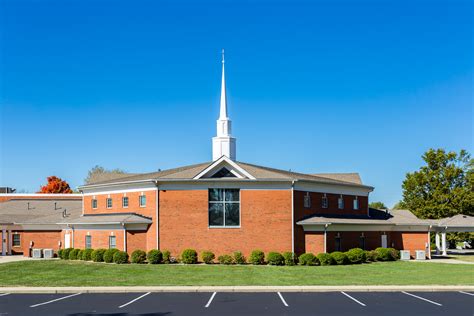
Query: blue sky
[(320, 86)]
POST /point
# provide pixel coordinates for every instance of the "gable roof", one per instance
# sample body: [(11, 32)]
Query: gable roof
[(352, 177), (110, 218)]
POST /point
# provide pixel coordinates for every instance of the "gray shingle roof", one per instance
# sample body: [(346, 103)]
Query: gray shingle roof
[(352, 177), (459, 220), (111, 218)]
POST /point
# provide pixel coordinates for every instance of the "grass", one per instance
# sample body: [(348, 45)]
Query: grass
[(467, 258), (77, 273)]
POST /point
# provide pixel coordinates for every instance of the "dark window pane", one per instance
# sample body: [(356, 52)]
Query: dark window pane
[(232, 195), (232, 214), (216, 194), (223, 173), (216, 214)]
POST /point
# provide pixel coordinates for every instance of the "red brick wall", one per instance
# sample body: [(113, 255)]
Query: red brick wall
[(314, 242), (136, 240), (409, 241), (41, 239), (265, 222), (100, 238)]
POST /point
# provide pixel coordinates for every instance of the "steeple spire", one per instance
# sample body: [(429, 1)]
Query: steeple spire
[(223, 144)]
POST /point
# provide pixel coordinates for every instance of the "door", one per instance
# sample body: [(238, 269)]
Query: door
[(67, 240), (384, 241)]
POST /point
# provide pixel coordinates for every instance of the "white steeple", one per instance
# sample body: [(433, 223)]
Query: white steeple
[(223, 144)]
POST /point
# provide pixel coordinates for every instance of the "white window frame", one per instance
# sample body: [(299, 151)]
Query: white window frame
[(107, 202), (125, 198), (94, 204), (324, 201), (307, 200), (90, 243), (355, 204), (224, 225), (340, 202), (13, 240), (114, 238), (140, 200)]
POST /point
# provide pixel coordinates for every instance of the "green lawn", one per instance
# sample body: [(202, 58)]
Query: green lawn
[(70, 273), (468, 258)]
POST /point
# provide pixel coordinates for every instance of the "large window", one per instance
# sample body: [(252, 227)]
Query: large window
[(356, 204), (142, 200), (224, 207), (16, 240), (324, 201), (112, 242), (340, 203), (307, 200), (88, 242)]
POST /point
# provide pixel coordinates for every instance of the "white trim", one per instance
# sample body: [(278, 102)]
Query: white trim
[(224, 160), (330, 188), (96, 193)]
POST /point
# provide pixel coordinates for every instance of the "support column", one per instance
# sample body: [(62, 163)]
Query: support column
[(443, 244), (437, 242), (4, 242), (325, 239), (10, 242), (124, 239)]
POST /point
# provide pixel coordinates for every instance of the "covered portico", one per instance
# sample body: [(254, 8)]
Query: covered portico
[(7, 237), (457, 224)]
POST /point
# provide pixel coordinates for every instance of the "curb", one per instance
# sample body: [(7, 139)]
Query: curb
[(255, 289)]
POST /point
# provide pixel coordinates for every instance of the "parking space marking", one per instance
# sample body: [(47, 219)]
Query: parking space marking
[(210, 300), (134, 300), (282, 299), (422, 298), (352, 298), (467, 293), (4, 294), (55, 300)]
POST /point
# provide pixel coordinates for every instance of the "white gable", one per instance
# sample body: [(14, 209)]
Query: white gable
[(229, 165)]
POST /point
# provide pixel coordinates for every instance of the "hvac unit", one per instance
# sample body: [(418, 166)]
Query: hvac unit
[(404, 254), (420, 255), (48, 253), (37, 253)]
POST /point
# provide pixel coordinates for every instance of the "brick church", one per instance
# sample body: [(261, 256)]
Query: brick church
[(222, 205)]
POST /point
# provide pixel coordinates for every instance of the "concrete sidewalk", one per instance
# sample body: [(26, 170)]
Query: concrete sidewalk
[(346, 288)]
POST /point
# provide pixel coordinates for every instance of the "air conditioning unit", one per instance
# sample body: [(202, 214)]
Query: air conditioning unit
[(48, 253), (420, 255), (37, 253), (404, 254)]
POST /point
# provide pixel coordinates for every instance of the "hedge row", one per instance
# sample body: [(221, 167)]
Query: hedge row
[(257, 257)]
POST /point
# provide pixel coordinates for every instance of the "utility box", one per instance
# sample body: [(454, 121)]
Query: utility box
[(37, 253), (420, 255), (404, 254), (48, 253)]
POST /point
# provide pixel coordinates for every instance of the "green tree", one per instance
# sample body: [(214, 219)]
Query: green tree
[(378, 205), (98, 174), (441, 188)]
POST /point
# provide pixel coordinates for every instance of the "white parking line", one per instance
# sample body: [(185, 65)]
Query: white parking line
[(4, 294), (422, 298), (355, 300), (467, 293), (210, 300), (55, 300), (134, 300), (282, 299)]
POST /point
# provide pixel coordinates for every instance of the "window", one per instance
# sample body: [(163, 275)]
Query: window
[(338, 245), (224, 207), (307, 200), (88, 242), (94, 203), (112, 242), (223, 173), (362, 241), (125, 202), (109, 203), (340, 203), (356, 204), (142, 200), (16, 240), (324, 201)]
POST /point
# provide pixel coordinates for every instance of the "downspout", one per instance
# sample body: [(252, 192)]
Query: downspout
[(325, 238), (124, 238), (72, 236), (293, 216), (157, 222), (429, 242)]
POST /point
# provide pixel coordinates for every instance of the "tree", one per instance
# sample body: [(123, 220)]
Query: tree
[(55, 185), (378, 205), (99, 173), (399, 206), (441, 188)]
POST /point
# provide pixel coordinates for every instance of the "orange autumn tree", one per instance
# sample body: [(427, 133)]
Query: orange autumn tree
[(55, 185)]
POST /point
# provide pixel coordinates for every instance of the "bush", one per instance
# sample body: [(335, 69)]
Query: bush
[(166, 256), (66, 253), (73, 254), (138, 256), (225, 259), (239, 258), (394, 253), (339, 257), (370, 256), (208, 257), (356, 255), (120, 257), (98, 255), (154, 256), (308, 259), (109, 255), (60, 253), (325, 259), (289, 258), (275, 259), (79, 255), (383, 254), (86, 254), (189, 256), (257, 257)]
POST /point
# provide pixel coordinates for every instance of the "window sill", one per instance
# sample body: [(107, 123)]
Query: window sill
[(224, 227)]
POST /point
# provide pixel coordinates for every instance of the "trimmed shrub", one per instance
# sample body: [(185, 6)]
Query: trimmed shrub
[(86, 254), (325, 259), (208, 257), (154, 256), (79, 254), (138, 256), (257, 257), (98, 255), (60, 253), (109, 255), (395, 253), (275, 259), (339, 257), (66, 253), (239, 258), (370, 256), (308, 259), (289, 258), (189, 256), (73, 254), (356, 255), (383, 254), (120, 257), (166, 256), (225, 259)]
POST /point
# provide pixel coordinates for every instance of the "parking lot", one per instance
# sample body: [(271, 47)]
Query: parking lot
[(231, 303)]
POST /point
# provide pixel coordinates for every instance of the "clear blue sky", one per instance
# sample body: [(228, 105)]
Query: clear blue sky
[(321, 86)]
